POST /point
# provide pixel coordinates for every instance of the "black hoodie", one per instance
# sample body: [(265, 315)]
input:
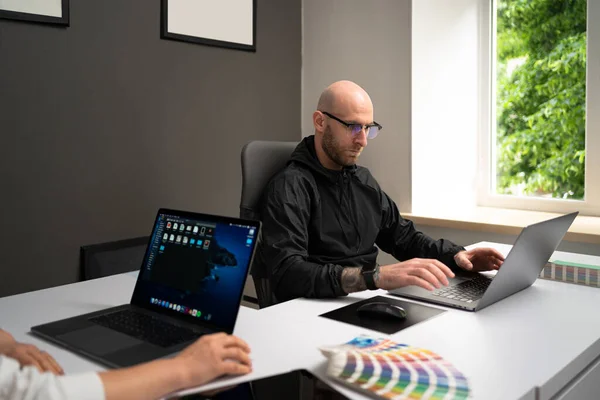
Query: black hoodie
[(317, 221)]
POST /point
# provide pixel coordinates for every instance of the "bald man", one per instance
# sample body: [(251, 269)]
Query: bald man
[(324, 217)]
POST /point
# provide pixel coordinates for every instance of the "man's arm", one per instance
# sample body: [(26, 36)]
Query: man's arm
[(285, 216), (426, 273), (399, 237), (352, 280)]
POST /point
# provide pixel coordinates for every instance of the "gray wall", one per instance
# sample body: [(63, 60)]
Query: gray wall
[(103, 122), (368, 42)]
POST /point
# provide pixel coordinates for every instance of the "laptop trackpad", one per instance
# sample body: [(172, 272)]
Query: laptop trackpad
[(457, 280), (99, 340)]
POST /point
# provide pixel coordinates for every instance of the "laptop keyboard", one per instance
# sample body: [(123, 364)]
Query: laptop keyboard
[(146, 327), (467, 291)]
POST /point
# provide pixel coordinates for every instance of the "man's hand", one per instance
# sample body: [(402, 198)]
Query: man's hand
[(28, 354), (427, 273), (212, 356), (479, 259)]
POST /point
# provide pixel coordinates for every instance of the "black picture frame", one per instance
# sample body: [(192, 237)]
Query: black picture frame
[(39, 18), (165, 34)]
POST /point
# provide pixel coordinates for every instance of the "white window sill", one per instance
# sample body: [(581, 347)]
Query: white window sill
[(505, 221)]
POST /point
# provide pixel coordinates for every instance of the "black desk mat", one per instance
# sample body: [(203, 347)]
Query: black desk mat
[(415, 313)]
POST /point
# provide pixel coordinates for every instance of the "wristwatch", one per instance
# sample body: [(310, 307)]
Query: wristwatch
[(370, 275)]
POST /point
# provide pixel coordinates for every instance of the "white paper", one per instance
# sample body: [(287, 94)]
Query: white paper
[(225, 20), (50, 8)]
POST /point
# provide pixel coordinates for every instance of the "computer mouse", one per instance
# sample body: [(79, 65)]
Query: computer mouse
[(381, 309)]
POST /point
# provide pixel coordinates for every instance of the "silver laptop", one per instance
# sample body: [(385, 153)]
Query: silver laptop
[(528, 256), (190, 284)]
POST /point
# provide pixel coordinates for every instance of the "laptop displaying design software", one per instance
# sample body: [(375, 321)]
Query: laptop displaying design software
[(521, 267), (190, 283)]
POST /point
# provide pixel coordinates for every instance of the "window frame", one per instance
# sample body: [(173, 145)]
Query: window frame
[(486, 195)]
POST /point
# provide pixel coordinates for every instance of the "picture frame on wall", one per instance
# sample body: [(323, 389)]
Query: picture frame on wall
[(42, 11), (223, 23)]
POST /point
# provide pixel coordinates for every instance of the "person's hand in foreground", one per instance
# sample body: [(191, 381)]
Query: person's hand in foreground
[(213, 356), (479, 259), (209, 357), (28, 354)]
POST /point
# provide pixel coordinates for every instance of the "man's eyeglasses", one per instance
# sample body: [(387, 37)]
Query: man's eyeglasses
[(371, 129)]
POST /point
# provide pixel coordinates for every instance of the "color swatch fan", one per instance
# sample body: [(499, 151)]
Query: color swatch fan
[(386, 369), (570, 272)]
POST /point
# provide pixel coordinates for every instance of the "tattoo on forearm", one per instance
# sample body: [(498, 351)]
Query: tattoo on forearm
[(352, 280)]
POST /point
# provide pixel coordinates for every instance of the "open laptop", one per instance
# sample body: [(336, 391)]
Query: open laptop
[(190, 284), (521, 267)]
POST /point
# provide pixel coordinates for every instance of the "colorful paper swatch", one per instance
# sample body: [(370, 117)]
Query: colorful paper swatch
[(390, 370), (563, 271)]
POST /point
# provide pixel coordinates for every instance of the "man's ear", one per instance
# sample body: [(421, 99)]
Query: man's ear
[(319, 121)]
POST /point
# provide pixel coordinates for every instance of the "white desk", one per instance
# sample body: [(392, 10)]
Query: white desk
[(529, 345)]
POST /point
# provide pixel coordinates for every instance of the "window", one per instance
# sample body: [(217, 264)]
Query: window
[(539, 68)]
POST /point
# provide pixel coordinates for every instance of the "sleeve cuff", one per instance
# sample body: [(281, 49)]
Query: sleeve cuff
[(448, 257), (338, 291)]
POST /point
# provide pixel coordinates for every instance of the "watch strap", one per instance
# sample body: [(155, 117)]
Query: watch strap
[(370, 276)]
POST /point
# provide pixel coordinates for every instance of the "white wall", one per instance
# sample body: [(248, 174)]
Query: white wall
[(445, 66), (368, 42)]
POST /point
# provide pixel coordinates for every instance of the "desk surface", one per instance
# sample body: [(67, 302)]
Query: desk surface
[(540, 337)]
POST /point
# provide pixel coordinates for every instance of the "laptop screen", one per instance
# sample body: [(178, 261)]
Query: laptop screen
[(195, 267)]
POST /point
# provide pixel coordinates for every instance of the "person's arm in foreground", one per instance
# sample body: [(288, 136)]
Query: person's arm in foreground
[(6, 339), (206, 359), (27, 354)]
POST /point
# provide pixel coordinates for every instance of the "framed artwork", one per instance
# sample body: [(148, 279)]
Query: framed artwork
[(222, 23), (44, 11)]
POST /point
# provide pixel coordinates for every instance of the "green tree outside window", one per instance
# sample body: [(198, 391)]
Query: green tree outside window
[(541, 86)]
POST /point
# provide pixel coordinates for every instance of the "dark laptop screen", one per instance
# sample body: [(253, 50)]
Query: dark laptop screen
[(196, 266)]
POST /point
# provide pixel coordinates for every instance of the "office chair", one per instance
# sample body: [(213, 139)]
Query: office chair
[(260, 161), (104, 259)]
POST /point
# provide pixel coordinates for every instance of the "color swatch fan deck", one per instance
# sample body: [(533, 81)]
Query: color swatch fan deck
[(389, 370)]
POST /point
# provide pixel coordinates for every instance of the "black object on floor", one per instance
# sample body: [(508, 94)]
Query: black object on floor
[(415, 313)]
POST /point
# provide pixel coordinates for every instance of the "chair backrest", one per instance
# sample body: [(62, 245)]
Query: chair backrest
[(261, 160), (104, 259)]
